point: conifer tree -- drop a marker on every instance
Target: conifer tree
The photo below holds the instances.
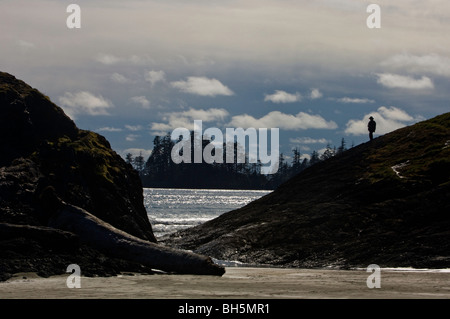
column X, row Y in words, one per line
column 342, row 148
column 129, row 158
column 139, row 163
column 314, row 158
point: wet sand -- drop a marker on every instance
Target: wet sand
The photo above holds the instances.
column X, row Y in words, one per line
column 237, row 283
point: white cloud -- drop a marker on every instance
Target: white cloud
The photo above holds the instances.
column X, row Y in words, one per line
column 395, row 114
column 25, row 44
column 308, row 140
column 109, row 129
column 355, row 100
column 315, row 94
column 303, row 148
column 202, row 86
column 131, row 137
column 107, row 59
column 283, row 97
column 84, row 102
column 431, row 63
column 110, row 59
column 238, row 31
column 405, row 82
column 276, row 119
column 136, row 152
column 155, row 76
column 119, row 78
column 142, row 100
column 205, row 115
column 388, row 119
column 186, row 119
column 140, row 59
column 305, row 156
column 162, row 129
column 133, row 127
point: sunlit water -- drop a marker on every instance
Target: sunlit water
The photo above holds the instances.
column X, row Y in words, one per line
column 170, row 210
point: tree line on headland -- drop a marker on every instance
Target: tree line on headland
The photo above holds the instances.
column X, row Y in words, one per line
column 159, row 170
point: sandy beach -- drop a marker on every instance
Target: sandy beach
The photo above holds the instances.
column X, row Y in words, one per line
column 237, row 283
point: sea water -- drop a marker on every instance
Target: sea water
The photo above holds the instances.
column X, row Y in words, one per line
column 170, row 210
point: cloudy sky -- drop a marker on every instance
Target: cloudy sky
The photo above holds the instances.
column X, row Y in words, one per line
column 313, row 69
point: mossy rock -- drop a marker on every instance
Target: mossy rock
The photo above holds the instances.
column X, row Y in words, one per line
column 384, row 201
column 37, row 135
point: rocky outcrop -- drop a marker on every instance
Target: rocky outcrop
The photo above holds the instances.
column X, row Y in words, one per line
column 40, row 149
column 114, row 242
column 385, row 202
column 40, row 146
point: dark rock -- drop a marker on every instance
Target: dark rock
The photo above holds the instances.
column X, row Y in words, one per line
column 23, row 254
column 383, row 202
column 116, row 243
column 46, row 162
column 55, row 239
column 40, row 146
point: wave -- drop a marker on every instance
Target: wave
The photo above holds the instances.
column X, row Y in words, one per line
column 410, row 269
column 181, row 221
column 171, row 210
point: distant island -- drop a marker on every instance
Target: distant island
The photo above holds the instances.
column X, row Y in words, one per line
column 159, row 171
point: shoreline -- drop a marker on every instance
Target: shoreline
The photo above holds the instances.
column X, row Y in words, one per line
column 237, row 264
column 237, row 283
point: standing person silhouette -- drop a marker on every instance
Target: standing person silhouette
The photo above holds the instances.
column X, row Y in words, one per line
column 372, row 125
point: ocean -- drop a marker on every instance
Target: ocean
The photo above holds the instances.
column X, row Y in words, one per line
column 170, row 210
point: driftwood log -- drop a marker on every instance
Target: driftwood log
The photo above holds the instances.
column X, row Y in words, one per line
column 117, row 243
column 54, row 239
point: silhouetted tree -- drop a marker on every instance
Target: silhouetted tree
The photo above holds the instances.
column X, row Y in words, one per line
column 129, row 158
column 314, row 158
column 161, row 171
column 296, row 160
column 341, row 149
column 139, row 163
column 329, row 153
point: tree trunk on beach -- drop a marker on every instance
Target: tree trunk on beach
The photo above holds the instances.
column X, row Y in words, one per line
column 117, row 243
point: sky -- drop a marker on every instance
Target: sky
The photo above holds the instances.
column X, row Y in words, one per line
column 313, row 69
